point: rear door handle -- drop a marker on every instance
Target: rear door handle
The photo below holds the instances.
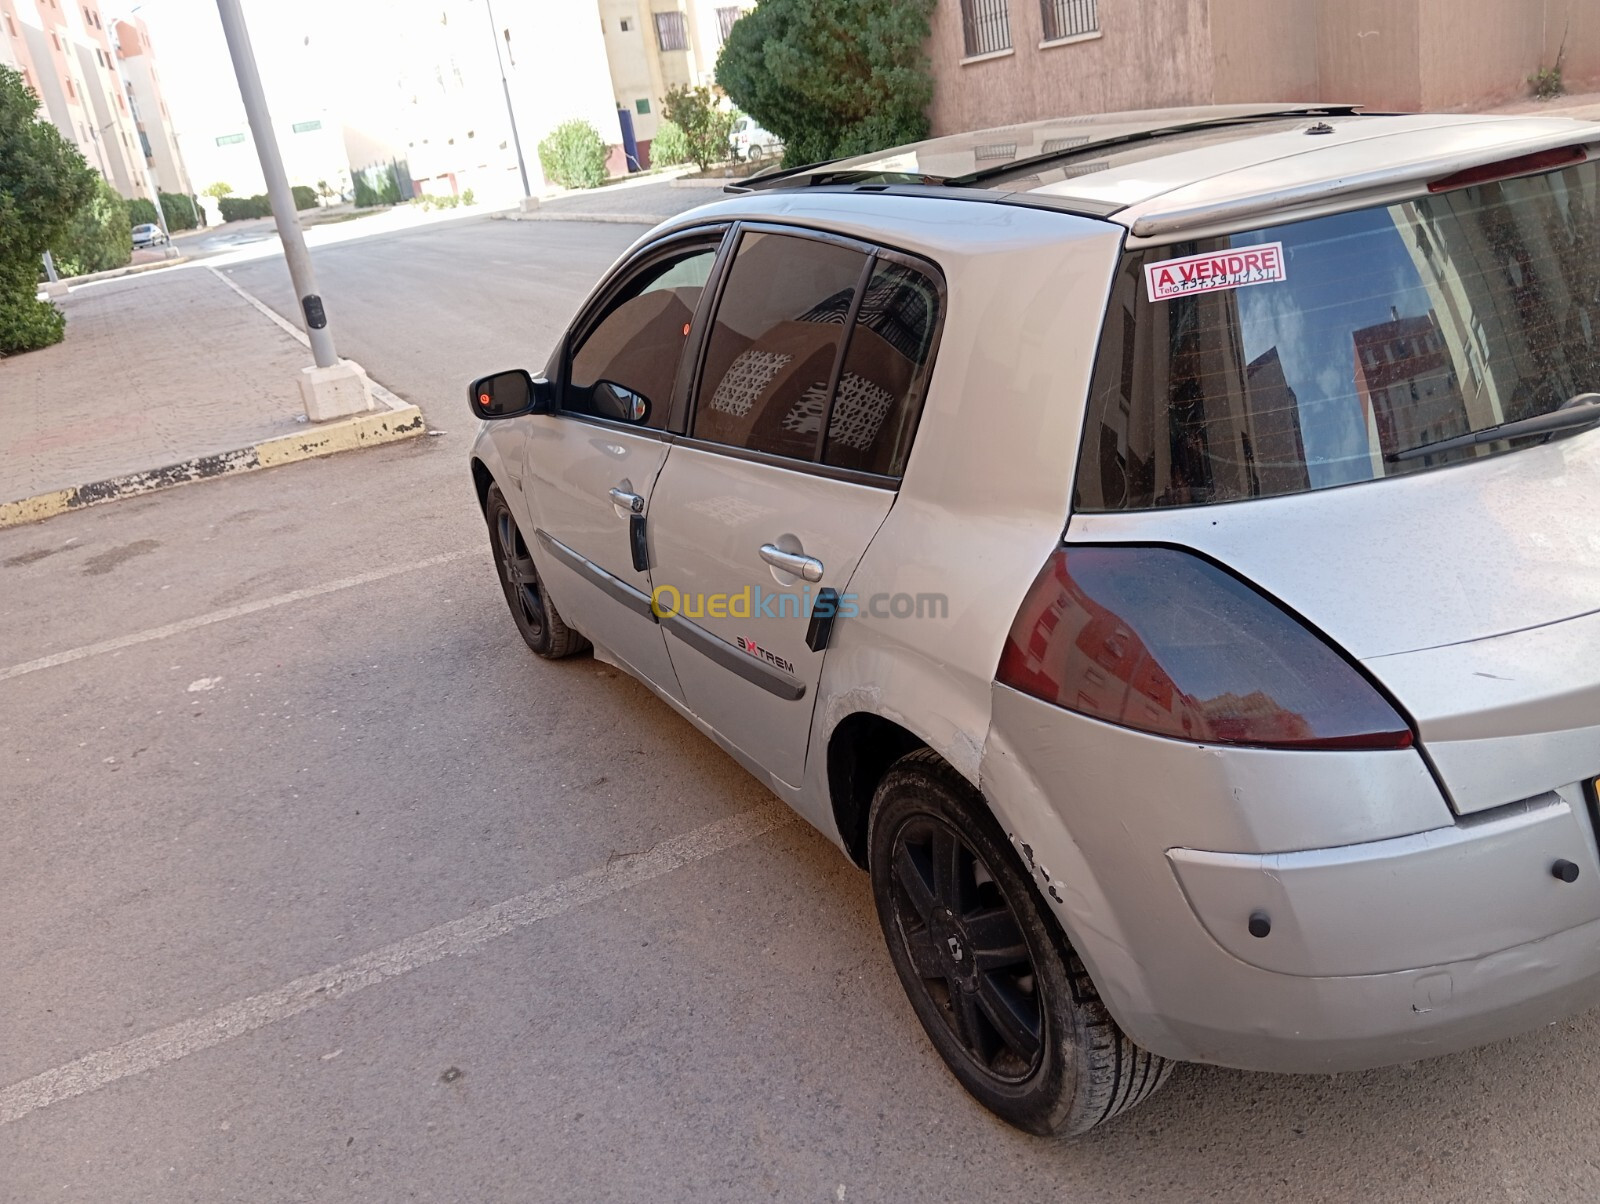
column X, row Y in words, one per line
column 627, row 500
column 807, row 568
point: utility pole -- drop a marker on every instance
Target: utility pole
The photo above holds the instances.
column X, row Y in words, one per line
column 332, row 388
column 283, row 210
column 499, row 59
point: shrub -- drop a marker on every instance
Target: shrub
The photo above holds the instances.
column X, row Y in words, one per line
column 831, row 77
column 217, row 191
column 305, row 197
column 180, row 211
column 377, row 186
column 704, row 127
column 98, row 237
column 142, row 211
column 236, row 208
column 468, row 197
column 669, row 146
column 573, row 155
column 438, row 202
column 43, row 183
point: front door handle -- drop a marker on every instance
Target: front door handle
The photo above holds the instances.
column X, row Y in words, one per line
column 807, row 568
column 627, row 499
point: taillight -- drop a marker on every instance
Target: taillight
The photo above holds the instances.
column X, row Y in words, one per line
column 1162, row 641
column 1505, row 169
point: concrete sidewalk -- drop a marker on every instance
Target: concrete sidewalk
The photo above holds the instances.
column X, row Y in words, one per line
column 162, row 379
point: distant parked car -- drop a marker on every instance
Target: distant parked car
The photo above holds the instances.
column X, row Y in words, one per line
column 750, row 142
column 149, row 235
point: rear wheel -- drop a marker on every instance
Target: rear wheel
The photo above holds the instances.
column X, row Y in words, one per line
column 536, row 616
column 755, row 154
column 1002, row 995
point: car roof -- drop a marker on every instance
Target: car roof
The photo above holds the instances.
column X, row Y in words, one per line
column 1164, row 170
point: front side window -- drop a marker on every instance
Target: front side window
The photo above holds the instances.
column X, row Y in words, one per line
column 638, row 343
column 773, row 343
column 1344, row 348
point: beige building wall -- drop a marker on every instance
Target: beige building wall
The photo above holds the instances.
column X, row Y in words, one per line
column 1386, row 54
column 1145, row 55
column 1263, row 50
column 643, row 71
column 137, row 60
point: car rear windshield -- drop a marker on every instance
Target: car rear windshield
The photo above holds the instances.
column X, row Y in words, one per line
column 1312, row 354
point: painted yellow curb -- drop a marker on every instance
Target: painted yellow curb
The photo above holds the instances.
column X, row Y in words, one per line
column 399, row 421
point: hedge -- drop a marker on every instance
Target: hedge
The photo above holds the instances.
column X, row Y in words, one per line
column 573, row 155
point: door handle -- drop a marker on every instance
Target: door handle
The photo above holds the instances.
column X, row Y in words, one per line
column 627, row 500
column 807, row 568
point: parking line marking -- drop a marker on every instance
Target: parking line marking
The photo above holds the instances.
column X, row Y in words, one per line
column 155, row 1049
column 223, row 615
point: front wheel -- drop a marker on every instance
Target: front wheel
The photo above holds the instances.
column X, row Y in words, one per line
column 536, row 616
column 1002, row 995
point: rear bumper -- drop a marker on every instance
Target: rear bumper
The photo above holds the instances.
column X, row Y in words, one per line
column 1396, row 931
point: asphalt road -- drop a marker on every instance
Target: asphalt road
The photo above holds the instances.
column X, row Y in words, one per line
column 318, row 886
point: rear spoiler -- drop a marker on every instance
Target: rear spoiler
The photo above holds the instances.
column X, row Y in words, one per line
column 1524, row 158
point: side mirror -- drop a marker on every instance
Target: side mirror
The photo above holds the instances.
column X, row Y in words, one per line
column 508, row 394
column 618, row 402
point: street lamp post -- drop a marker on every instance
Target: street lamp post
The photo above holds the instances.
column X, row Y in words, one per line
column 283, row 210
column 333, row 388
column 511, row 113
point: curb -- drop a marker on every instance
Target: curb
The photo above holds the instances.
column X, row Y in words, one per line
column 345, row 434
column 396, row 419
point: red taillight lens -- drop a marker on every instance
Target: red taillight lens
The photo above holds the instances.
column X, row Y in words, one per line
column 1162, row 641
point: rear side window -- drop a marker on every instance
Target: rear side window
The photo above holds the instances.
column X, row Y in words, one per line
column 1334, row 350
column 775, row 348
column 885, row 372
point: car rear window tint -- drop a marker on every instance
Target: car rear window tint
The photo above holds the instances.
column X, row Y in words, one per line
column 885, row 373
column 774, row 342
column 1369, row 334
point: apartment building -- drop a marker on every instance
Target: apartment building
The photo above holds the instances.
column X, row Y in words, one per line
column 655, row 45
column 67, row 53
column 142, row 86
column 1001, row 61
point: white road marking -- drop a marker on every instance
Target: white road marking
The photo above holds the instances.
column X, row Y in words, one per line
column 96, row 1070
column 223, row 615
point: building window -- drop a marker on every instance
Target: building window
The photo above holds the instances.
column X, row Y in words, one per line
column 627, row 25
column 72, row 93
column 11, row 25
column 725, row 19
column 985, row 26
column 642, row 106
column 1069, row 18
column 55, row 39
column 672, row 31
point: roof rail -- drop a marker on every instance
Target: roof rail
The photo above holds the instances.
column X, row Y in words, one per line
column 1034, row 162
column 812, row 175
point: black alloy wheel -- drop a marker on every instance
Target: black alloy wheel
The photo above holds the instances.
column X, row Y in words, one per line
column 541, row 625
column 1002, row 995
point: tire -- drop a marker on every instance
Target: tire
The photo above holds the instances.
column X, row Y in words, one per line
column 754, row 155
column 535, row 614
column 1003, row 997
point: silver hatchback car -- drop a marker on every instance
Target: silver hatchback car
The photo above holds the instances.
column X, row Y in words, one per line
column 1163, row 549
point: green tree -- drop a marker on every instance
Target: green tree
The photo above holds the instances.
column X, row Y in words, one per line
column 573, row 156
column 98, row 237
column 704, row 126
column 43, row 183
column 217, row 191
column 831, row 77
